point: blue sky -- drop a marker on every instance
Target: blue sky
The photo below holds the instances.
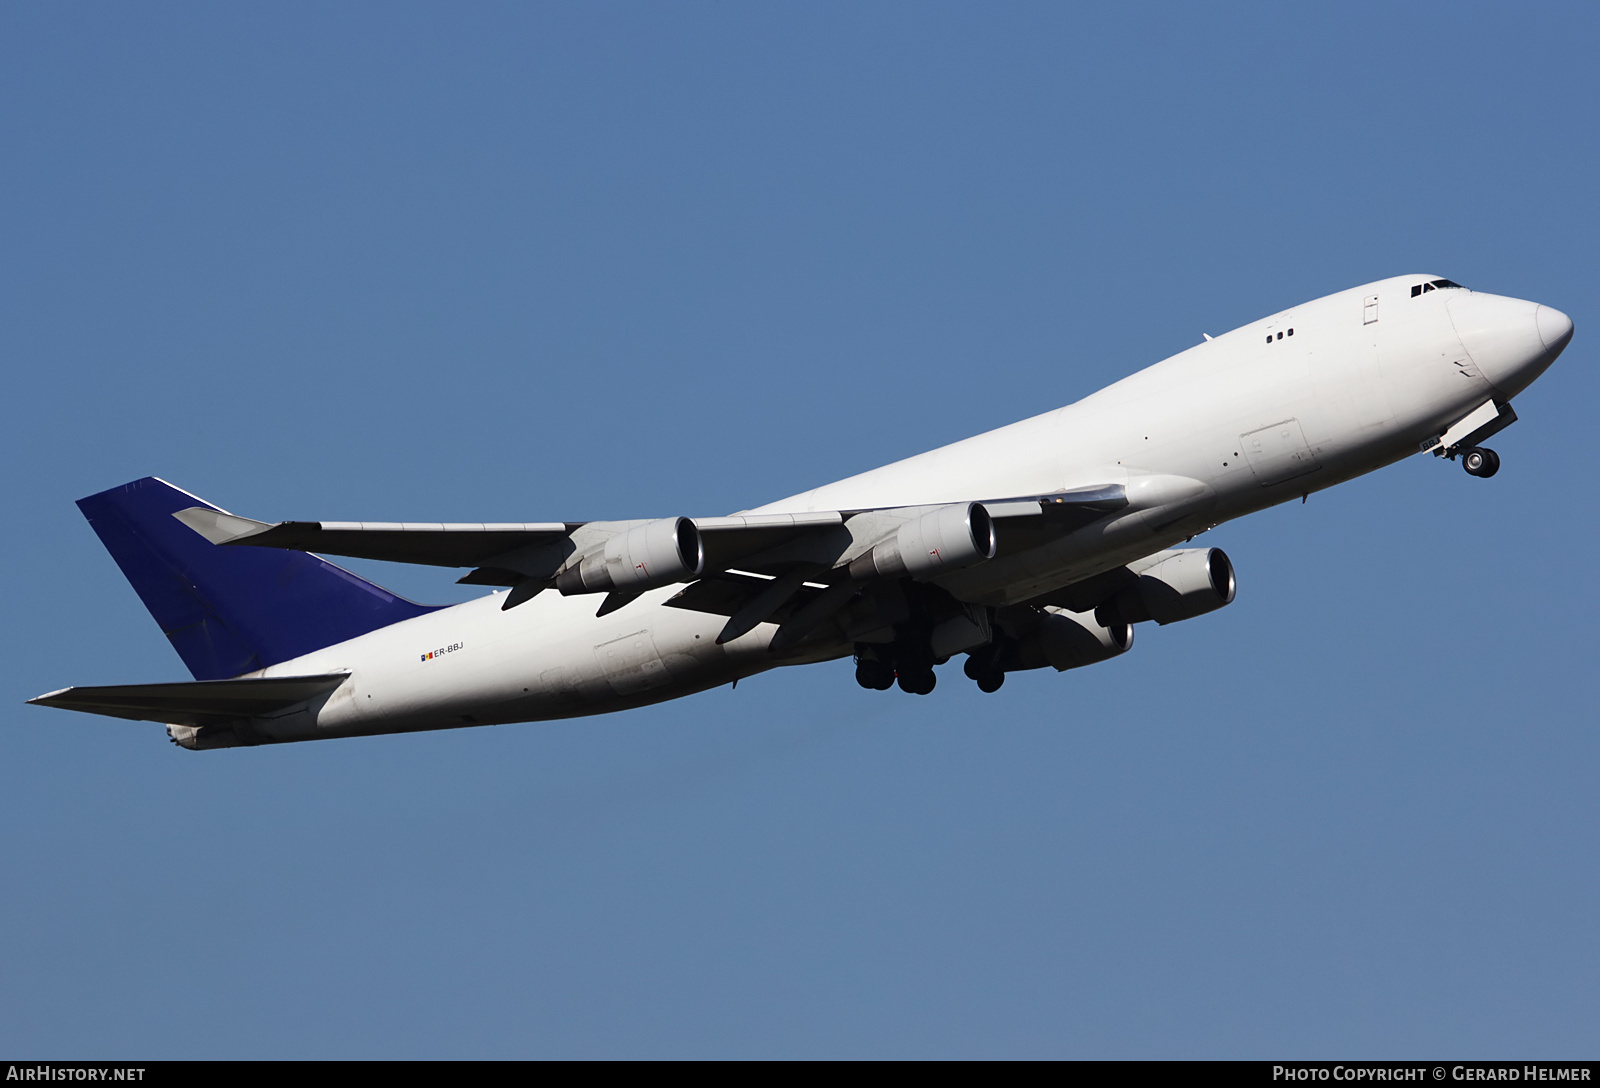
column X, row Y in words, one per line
column 522, row 262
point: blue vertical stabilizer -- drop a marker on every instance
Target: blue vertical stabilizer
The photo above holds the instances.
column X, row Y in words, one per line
column 231, row 610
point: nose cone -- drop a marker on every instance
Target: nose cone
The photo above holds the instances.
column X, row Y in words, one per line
column 1555, row 329
column 1511, row 340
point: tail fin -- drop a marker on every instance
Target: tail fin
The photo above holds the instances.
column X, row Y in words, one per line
column 229, row 611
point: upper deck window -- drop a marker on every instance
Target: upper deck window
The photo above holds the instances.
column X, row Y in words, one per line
column 1433, row 285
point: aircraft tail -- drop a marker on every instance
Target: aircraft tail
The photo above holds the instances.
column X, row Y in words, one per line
column 231, row 610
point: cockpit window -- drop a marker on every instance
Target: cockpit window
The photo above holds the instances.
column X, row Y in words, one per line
column 1433, row 285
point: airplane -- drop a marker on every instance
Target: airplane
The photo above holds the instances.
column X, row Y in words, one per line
column 1041, row 544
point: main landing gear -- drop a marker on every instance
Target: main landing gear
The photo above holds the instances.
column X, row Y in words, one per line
column 983, row 668
column 874, row 675
column 914, row 678
column 914, row 673
column 917, row 681
column 909, row 659
column 1480, row 462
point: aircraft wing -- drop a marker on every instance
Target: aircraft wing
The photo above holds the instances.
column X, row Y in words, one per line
column 195, row 702
column 470, row 544
column 624, row 558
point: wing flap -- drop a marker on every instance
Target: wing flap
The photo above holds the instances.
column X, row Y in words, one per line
column 198, row 702
column 726, row 593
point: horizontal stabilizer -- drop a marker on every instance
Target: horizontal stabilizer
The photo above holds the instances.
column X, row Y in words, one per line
column 430, row 543
column 200, row 702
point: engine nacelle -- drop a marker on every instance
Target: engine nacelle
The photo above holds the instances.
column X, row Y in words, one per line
column 945, row 539
column 1186, row 584
column 1070, row 640
column 656, row 553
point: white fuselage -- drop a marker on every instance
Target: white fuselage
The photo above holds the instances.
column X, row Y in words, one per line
column 1250, row 419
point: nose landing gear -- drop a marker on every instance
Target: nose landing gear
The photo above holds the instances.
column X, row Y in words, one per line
column 1480, row 462
column 1462, row 439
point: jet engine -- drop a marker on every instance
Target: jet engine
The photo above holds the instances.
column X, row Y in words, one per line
column 1186, row 584
column 1068, row 640
column 944, row 539
column 656, row 553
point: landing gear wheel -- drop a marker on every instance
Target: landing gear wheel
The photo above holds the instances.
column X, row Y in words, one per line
column 918, row 681
column 1480, row 462
column 981, row 670
column 989, row 683
column 874, row 675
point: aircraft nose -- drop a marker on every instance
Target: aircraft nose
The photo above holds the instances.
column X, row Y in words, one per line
column 1555, row 328
column 1505, row 338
